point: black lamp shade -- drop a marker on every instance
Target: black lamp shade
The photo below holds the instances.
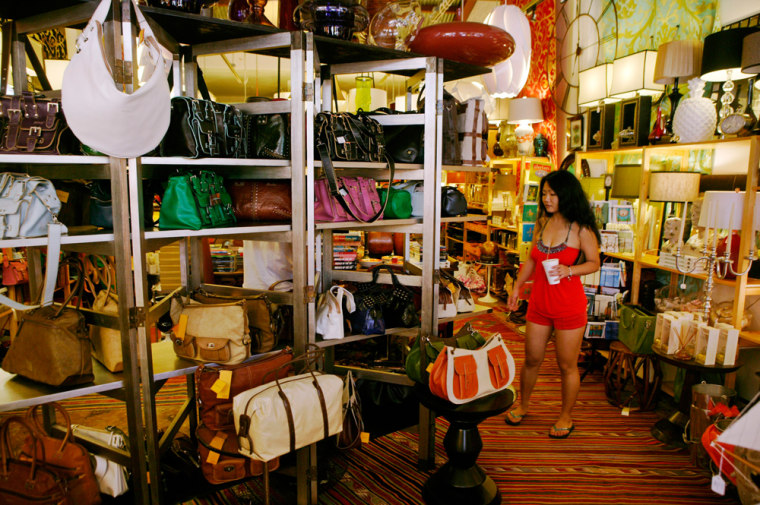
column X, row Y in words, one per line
column 723, row 51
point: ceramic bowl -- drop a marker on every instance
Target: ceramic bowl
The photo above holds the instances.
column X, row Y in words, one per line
column 369, row 263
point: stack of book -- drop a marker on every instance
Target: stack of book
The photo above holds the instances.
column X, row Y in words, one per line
column 226, row 259
column 345, row 248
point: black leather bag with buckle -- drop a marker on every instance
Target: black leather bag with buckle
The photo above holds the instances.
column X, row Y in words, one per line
column 34, row 125
column 350, row 137
column 203, row 129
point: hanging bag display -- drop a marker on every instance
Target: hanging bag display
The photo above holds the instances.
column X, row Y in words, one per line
column 462, row 375
column 195, row 201
column 102, row 115
column 330, row 318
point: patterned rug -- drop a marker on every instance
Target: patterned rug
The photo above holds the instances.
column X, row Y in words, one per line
column 608, row 459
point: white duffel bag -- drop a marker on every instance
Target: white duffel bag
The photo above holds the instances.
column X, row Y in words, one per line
column 281, row 416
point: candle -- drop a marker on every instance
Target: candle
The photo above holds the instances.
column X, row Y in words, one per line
column 730, row 228
column 683, row 224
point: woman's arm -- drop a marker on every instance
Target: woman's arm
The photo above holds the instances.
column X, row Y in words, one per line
column 526, row 272
column 589, row 245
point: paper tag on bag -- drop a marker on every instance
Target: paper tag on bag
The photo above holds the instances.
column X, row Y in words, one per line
column 179, row 333
column 222, row 385
column 626, row 411
column 364, row 437
column 718, row 485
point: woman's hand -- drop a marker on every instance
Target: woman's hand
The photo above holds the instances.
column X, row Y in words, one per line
column 512, row 301
column 562, row 271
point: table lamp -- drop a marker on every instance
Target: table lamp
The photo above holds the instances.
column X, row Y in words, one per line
column 633, row 75
column 524, row 112
column 677, row 60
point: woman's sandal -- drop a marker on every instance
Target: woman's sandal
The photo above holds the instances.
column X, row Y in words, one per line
column 555, row 429
column 514, row 419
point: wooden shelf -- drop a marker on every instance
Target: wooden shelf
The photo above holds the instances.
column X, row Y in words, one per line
column 620, row 256
column 650, row 261
column 464, row 219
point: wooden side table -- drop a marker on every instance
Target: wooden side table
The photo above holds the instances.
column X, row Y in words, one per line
column 669, row 430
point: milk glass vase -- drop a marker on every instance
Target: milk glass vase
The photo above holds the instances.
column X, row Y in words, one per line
column 695, row 118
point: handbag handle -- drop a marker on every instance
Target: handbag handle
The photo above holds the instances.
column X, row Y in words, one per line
column 338, row 193
column 631, row 319
column 76, row 263
column 5, row 446
column 31, row 417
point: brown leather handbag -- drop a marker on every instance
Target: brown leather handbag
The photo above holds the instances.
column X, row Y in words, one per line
column 27, row 480
column 220, row 460
column 34, row 125
column 52, row 345
column 261, row 200
column 70, row 460
column 215, row 408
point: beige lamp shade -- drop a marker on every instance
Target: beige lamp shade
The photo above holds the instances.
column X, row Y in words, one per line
column 724, row 210
column 594, row 85
column 525, row 110
column 500, row 111
column 680, row 59
column 673, row 186
column 634, row 74
column 751, row 54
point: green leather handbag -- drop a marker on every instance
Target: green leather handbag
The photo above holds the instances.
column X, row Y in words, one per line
column 400, row 203
column 193, row 201
column 636, row 328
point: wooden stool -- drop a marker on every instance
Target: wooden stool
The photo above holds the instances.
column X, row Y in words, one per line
column 623, row 386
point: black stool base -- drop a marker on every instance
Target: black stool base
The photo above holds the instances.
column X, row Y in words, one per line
column 669, row 430
column 440, row 489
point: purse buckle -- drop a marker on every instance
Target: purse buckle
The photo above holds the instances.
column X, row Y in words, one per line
column 14, row 115
column 35, row 131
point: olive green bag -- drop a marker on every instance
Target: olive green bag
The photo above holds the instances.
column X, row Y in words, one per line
column 636, row 329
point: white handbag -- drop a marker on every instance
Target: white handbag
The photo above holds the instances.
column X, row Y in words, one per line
column 101, row 115
column 281, row 416
column 447, row 306
column 415, row 189
column 330, row 312
column 113, row 478
column 27, row 205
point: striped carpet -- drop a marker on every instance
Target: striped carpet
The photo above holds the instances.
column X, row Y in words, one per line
column 608, row 459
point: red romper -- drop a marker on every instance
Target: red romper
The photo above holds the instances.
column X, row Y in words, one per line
column 564, row 305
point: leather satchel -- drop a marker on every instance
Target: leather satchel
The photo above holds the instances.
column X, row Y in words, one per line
column 261, row 200
column 203, row 129
column 210, row 333
column 453, row 202
column 194, row 201
column 216, row 386
column 15, row 271
column 27, row 205
column 70, row 460
column 267, row 136
column 27, row 480
column 462, row 375
column 349, row 137
column 266, row 320
column 220, row 459
column 34, row 125
column 52, row 345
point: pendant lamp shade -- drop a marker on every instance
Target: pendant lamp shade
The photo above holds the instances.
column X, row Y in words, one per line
column 722, row 55
column 594, row 85
column 508, row 77
column 634, row 74
column 751, row 54
column 680, row 59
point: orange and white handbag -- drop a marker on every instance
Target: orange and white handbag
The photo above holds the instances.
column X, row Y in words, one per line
column 463, row 375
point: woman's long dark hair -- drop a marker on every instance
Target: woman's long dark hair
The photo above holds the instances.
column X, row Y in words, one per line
column 573, row 204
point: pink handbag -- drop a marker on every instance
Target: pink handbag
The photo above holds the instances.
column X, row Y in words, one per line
column 358, row 193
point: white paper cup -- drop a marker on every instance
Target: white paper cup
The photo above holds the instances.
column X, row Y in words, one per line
column 548, row 265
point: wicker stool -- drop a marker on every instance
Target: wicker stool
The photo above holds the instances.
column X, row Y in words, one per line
column 623, row 386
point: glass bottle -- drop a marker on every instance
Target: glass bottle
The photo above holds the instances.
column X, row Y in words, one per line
column 658, row 130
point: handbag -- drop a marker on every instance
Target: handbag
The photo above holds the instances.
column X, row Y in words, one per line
column 453, row 202
column 636, row 328
column 15, row 271
column 70, row 460
column 100, row 114
column 26, row 480
column 203, row 129
column 27, row 205
column 32, row 124
column 101, row 206
column 461, row 294
column 353, row 425
column 463, row 375
column 52, row 345
column 267, row 136
column 472, row 125
column 415, row 190
column 330, row 320
column 106, row 342
column 210, row 333
column 447, row 307
column 261, row 200
column 220, row 458
column 399, row 205
column 403, row 143
column 267, row 321
column 450, row 146
column 195, row 201
column 113, row 478
column 216, row 386
column 281, row 416
column 465, row 338
column 349, row 137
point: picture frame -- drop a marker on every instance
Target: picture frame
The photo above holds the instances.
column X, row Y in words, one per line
column 600, row 125
column 575, row 133
column 527, row 232
column 634, row 121
column 530, row 192
column 622, row 214
column 594, row 330
column 530, row 212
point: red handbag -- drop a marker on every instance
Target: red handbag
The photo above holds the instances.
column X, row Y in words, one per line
column 463, row 375
column 14, row 271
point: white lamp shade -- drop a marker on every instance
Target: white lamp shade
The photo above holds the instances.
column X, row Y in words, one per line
column 673, row 186
column 400, row 102
column 378, row 98
column 525, row 110
column 680, row 59
column 594, row 85
column 634, row 74
column 500, row 111
column 508, row 77
column 724, row 210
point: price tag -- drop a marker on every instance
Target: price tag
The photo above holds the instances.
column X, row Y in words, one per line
column 429, row 368
column 217, row 443
column 626, row 411
column 222, row 385
column 179, row 334
column 365, row 437
column 718, row 485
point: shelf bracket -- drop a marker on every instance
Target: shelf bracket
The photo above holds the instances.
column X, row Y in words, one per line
column 137, row 316
column 308, row 92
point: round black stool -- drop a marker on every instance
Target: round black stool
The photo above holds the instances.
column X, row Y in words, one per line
column 623, row 386
column 461, row 480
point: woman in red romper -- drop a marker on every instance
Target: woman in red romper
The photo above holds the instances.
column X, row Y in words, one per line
column 565, row 230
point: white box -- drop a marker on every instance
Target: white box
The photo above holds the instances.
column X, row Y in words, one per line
column 728, row 342
column 689, row 333
column 707, row 345
column 668, row 320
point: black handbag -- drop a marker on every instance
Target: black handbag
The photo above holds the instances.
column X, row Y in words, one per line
column 267, row 136
column 403, row 143
column 398, row 306
column 203, row 129
column 453, row 202
column 350, row 137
